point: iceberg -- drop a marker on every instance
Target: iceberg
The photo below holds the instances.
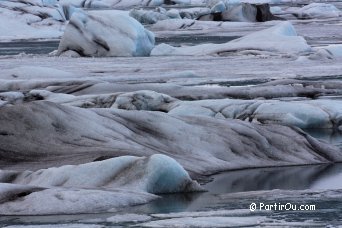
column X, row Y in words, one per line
column 280, row 38
column 30, row 20
column 241, row 12
column 317, row 10
column 105, row 33
column 97, row 132
column 154, row 174
column 68, row 200
column 92, row 187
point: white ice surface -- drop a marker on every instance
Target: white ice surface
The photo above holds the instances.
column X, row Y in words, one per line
column 106, row 33
column 333, row 49
column 318, row 10
column 280, row 38
column 92, row 133
column 155, row 174
column 71, row 201
column 20, row 20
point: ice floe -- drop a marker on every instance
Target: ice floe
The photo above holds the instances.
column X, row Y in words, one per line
column 94, row 133
column 122, row 4
column 333, row 50
column 318, row 10
column 240, row 12
column 30, row 20
column 69, row 201
column 93, row 187
column 280, row 38
column 155, row 174
column 312, row 113
column 105, row 33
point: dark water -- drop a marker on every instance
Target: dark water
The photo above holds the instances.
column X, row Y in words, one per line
column 28, row 47
column 45, row 47
column 287, row 178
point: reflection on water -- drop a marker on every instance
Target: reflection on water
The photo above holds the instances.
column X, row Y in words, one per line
column 288, row 178
column 295, row 177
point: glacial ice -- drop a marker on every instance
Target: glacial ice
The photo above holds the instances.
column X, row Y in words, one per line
column 30, row 20
column 92, row 187
column 122, row 4
column 318, row 10
column 233, row 11
column 334, row 50
column 106, row 33
column 280, row 38
column 70, row 201
column 93, row 133
column 155, row 174
column 312, row 113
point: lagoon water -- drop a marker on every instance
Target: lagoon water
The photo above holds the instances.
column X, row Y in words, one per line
column 327, row 176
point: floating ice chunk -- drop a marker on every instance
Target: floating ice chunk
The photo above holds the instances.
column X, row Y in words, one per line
column 214, row 221
column 144, row 100
column 318, row 10
column 92, row 133
column 307, row 116
column 70, row 201
column 148, row 16
column 173, row 14
column 280, row 38
column 218, row 7
column 276, row 9
column 188, row 110
column 215, row 213
column 30, row 20
column 155, row 174
column 114, row 4
column 106, row 33
column 128, row 218
column 334, row 50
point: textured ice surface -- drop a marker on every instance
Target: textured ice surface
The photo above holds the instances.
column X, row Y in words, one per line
column 106, row 33
column 280, row 38
column 155, row 174
column 318, row 10
column 92, row 187
column 30, row 20
column 122, row 4
column 199, row 144
column 68, row 200
column 311, row 114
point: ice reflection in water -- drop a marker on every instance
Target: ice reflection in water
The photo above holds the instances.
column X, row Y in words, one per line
column 287, row 178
